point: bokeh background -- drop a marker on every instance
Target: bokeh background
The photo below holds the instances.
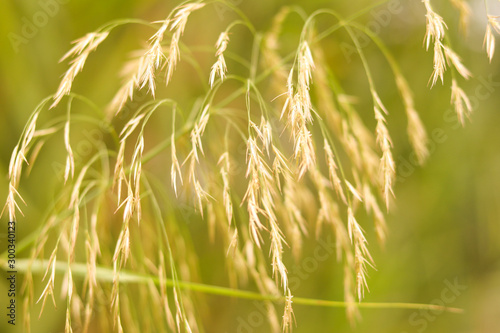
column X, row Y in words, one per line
column 445, row 228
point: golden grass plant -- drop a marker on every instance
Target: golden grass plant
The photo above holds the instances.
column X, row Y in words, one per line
column 309, row 165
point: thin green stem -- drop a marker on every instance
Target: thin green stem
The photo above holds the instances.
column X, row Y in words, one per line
column 106, row 275
column 329, row 31
column 111, row 25
column 240, row 13
column 254, row 62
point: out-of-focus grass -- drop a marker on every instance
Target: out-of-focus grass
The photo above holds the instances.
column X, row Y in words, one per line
column 446, row 223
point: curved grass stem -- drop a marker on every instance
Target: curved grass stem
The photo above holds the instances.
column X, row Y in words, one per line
column 104, row 274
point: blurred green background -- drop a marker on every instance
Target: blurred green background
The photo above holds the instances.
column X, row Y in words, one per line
column 445, row 228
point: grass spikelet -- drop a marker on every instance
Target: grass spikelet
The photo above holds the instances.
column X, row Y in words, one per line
column 387, row 165
column 489, row 38
column 352, row 311
column 175, row 169
column 361, row 255
column 132, row 72
column 70, row 159
column 353, row 191
column 255, row 164
column 453, row 59
column 151, row 61
column 439, row 63
column 119, row 171
column 304, row 151
column 280, row 166
column 224, row 171
column 219, row 68
column 198, row 131
column 373, row 207
column 196, row 144
column 435, row 28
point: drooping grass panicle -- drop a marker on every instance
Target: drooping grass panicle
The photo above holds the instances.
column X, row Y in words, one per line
column 19, row 156
column 439, row 63
column 315, row 179
column 197, row 132
column 416, row 131
column 387, row 165
column 177, row 26
column 80, row 52
column 260, row 197
column 443, row 54
column 435, row 33
column 143, row 70
column 193, row 157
